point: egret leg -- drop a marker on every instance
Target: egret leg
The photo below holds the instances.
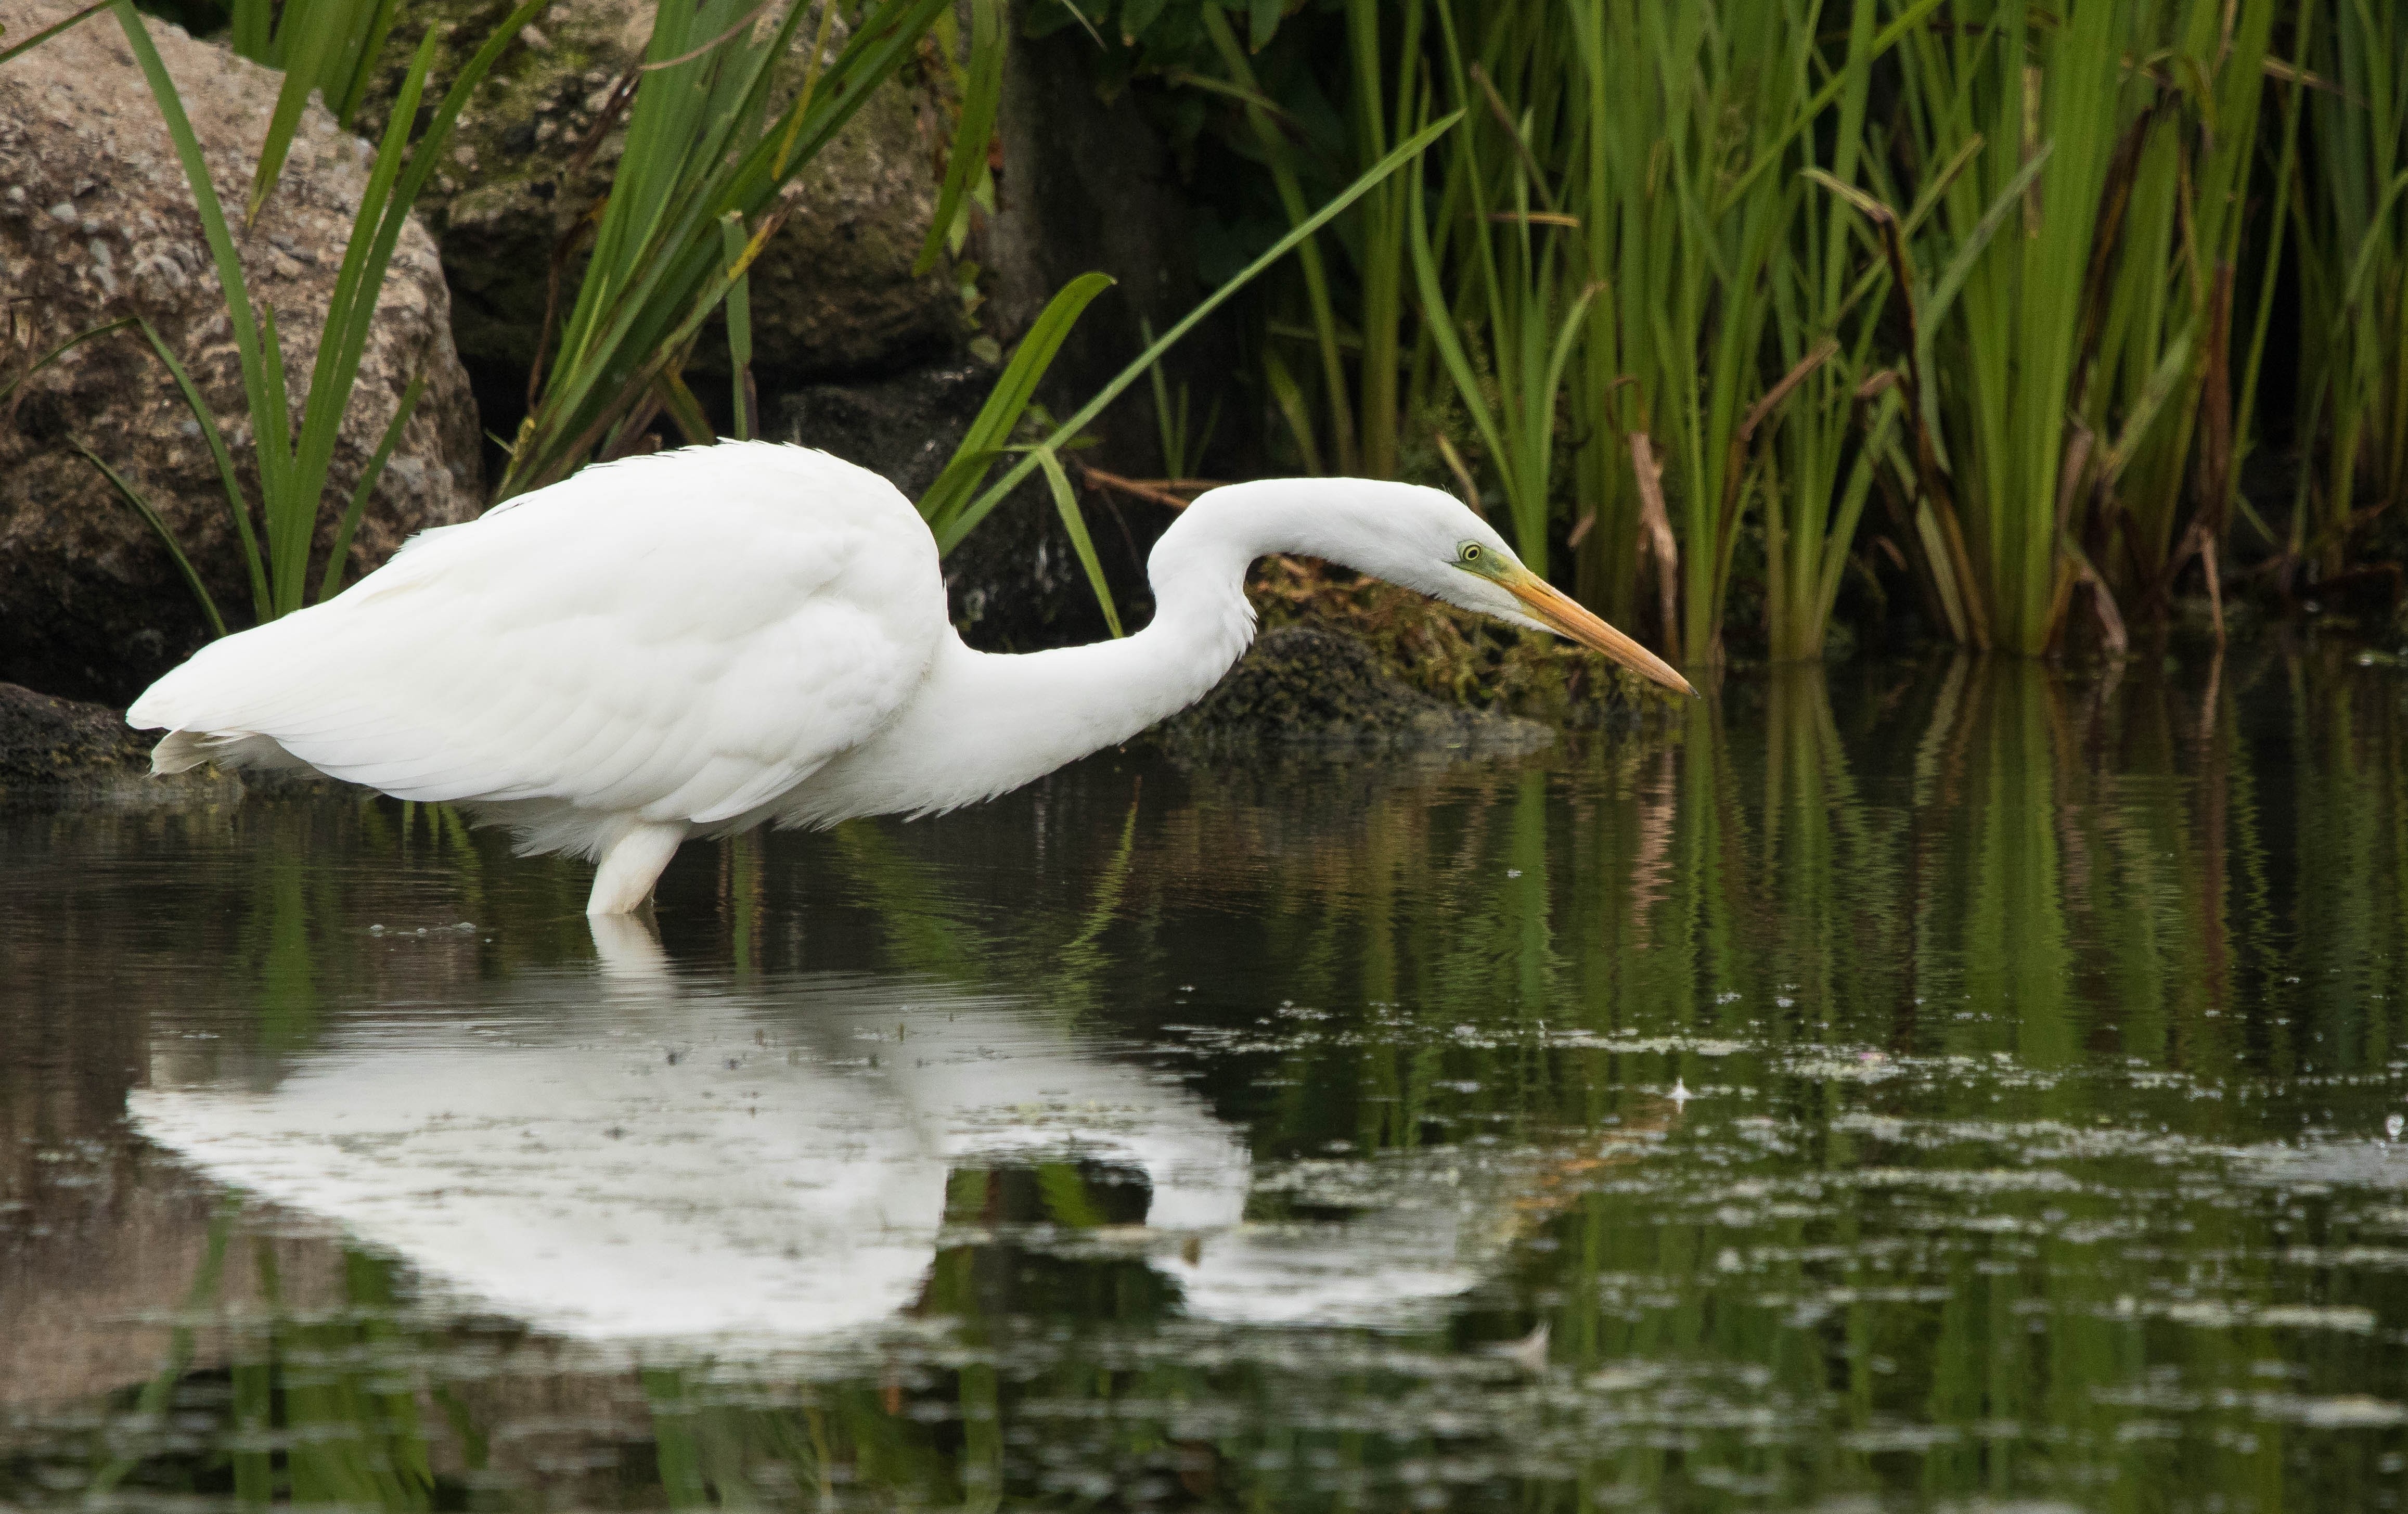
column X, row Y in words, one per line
column 632, row 865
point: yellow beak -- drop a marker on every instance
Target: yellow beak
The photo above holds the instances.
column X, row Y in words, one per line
column 1564, row 616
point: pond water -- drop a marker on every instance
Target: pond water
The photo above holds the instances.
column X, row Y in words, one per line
column 1951, row 1086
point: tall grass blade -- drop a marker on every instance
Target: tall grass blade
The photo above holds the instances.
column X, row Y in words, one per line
column 1297, row 411
column 237, row 505
column 7, row 412
column 981, row 98
column 293, row 470
column 1015, row 389
column 240, row 316
column 1066, row 504
column 1935, row 306
column 308, row 44
column 740, row 325
column 52, row 30
column 332, row 584
column 150, row 514
column 201, row 416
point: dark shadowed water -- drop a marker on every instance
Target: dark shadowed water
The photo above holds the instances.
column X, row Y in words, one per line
column 1954, row 1087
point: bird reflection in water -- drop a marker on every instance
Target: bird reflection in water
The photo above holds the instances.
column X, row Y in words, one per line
column 681, row 1163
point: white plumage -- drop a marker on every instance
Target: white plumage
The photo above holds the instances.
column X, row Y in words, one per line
column 605, row 652
column 698, row 642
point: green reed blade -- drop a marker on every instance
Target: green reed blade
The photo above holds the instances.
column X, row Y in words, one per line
column 684, row 410
column 740, row 323
column 60, row 351
column 1441, row 327
column 1897, row 28
column 358, row 63
column 1935, row 306
column 656, row 269
column 237, row 505
column 213, row 226
column 369, row 476
column 310, row 46
column 253, row 32
column 980, row 98
column 1066, row 504
column 1007, row 403
column 52, row 30
column 143, row 508
column 1172, row 432
column 1294, row 407
column 293, row 486
column 271, row 443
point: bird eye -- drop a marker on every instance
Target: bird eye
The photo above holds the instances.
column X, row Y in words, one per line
column 1471, row 552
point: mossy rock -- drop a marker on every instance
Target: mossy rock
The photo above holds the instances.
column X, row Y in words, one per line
column 1460, row 658
column 64, row 752
column 47, row 742
column 1304, row 687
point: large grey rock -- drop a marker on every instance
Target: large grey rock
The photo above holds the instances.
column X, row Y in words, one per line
column 833, row 293
column 96, row 221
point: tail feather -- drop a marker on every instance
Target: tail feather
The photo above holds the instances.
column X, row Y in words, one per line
column 210, row 706
column 180, row 751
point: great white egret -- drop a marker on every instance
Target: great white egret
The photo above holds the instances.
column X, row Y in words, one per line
column 697, row 641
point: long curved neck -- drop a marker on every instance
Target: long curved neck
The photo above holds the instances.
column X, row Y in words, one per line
column 983, row 723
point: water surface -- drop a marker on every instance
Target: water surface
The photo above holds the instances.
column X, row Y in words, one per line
column 1953, row 1085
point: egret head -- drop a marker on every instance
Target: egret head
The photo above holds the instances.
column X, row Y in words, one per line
column 1431, row 543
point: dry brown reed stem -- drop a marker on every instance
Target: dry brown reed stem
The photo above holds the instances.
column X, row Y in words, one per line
column 1154, row 491
column 728, row 36
column 2098, row 283
column 2212, row 479
column 2074, row 567
column 1927, row 477
column 1455, row 464
column 1656, row 535
column 1735, row 469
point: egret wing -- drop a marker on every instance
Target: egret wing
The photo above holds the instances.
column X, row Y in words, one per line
column 604, row 643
